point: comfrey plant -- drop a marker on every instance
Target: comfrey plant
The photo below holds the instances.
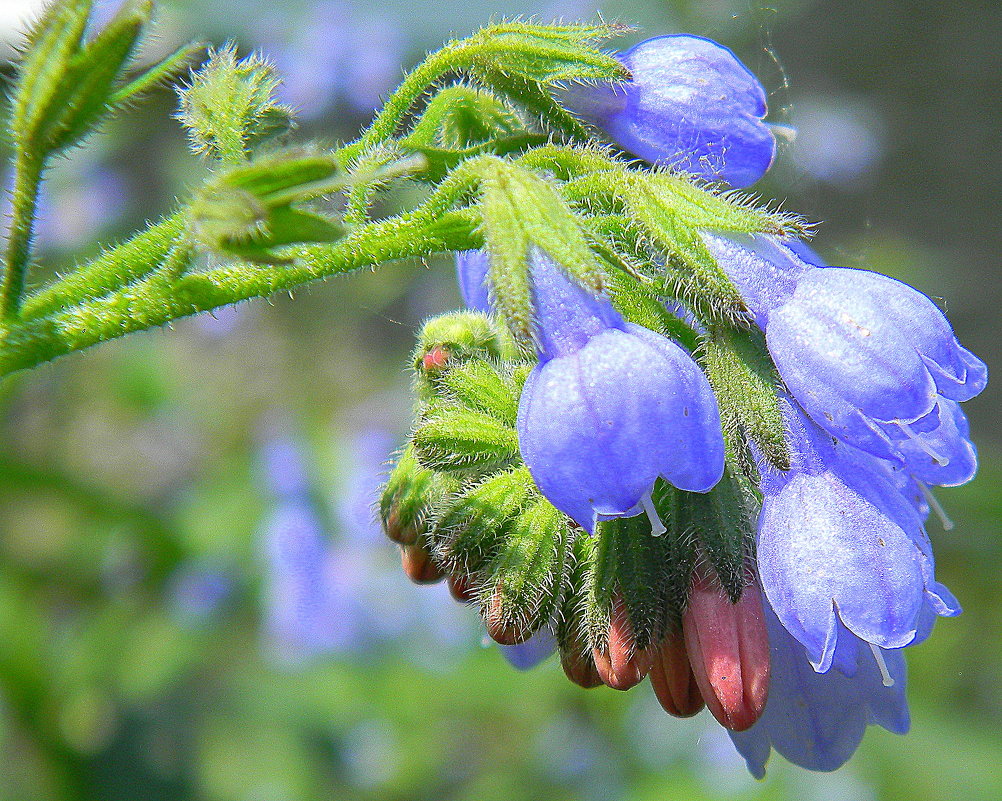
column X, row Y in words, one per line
column 665, row 439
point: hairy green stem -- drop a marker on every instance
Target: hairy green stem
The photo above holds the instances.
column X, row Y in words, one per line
column 24, row 200
column 162, row 297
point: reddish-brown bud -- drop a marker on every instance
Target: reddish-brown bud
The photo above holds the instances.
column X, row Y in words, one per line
column 728, row 650
column 621, row 664
column 396, row 530
column 580, row 668
column 503, row 628
column 418, row 565
column 461, row 587
column 672, row 678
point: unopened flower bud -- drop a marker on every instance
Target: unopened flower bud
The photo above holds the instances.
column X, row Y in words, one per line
column 621, row 665
column 419, row 566
column 728, row 650
column 579, row 667
column 462, row 587
column 673, row 680
column 504, row 627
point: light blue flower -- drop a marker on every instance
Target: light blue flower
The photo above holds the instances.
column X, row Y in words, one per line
column 817, row 720
column 610, row 407
column 528, row 654
column 840, row 549
column 472, row 267
column 691, row 105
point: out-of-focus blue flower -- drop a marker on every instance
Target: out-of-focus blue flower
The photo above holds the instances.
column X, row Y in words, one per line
column 610, row 407
column 840, row 548
column 530, row 653
column 840, row 140
column 198, row 590
column 692, row 105
column 817, row 720
column 472, row 267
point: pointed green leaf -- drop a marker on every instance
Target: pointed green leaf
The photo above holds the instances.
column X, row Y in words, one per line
column 465, row 440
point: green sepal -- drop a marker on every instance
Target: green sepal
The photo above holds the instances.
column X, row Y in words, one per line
column 692, row 273
column 410, row 498
column 721, row 522
column 527, row 578
column 729, row 212
column 247, row 210
column 746, row 384
column 638, row 304
column 521, row 211
column 460, row 116
column 474, row 524
column 485, row 387
column 230, row 105
column 593, row 584
column 465, row 440
column 156, row 75
column 549, row 54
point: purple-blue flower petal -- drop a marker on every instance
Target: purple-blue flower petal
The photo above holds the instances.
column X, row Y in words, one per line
column 765, row 269
column 472, row 267
column 566, row 315
column 526, row 655
column 692, row 105
column 596, row 427
column 817, row 720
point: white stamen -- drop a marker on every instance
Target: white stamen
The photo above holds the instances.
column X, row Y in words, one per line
column 657, row 527
column 936, row 507
column 885, row 676
column 923, row 443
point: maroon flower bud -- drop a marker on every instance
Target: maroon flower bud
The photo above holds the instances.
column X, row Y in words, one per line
column 461, row 587
column 503, row 627
column 418, row 565
column 436, row 359
column 728, row 649
column 673, row 680
column 621, row 664
column 579, row 667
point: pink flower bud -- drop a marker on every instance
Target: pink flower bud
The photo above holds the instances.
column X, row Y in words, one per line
column 621, row 665
column 728, row 649
column 672, row 678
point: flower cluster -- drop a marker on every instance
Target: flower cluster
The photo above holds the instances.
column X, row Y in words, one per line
column 747, row 531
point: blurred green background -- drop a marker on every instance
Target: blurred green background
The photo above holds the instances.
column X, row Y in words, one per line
column 143, row 653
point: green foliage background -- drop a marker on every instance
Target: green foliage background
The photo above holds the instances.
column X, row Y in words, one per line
column 124, row 465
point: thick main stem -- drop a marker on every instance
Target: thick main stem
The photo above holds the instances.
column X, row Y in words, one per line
column 24, row 201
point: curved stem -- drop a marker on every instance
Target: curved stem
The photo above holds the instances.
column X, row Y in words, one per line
column 24, row 200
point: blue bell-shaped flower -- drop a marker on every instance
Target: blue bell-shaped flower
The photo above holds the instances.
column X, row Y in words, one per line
column 691, row 105
column 841, row 550
column 610, row 407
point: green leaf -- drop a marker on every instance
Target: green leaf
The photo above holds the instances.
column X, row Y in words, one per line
column 746, row 384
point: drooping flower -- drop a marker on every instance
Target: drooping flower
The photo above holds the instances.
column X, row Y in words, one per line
column 841, row 549
column 817, row 720
column 610, row 407
column 691, row 105
column 873, row 361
